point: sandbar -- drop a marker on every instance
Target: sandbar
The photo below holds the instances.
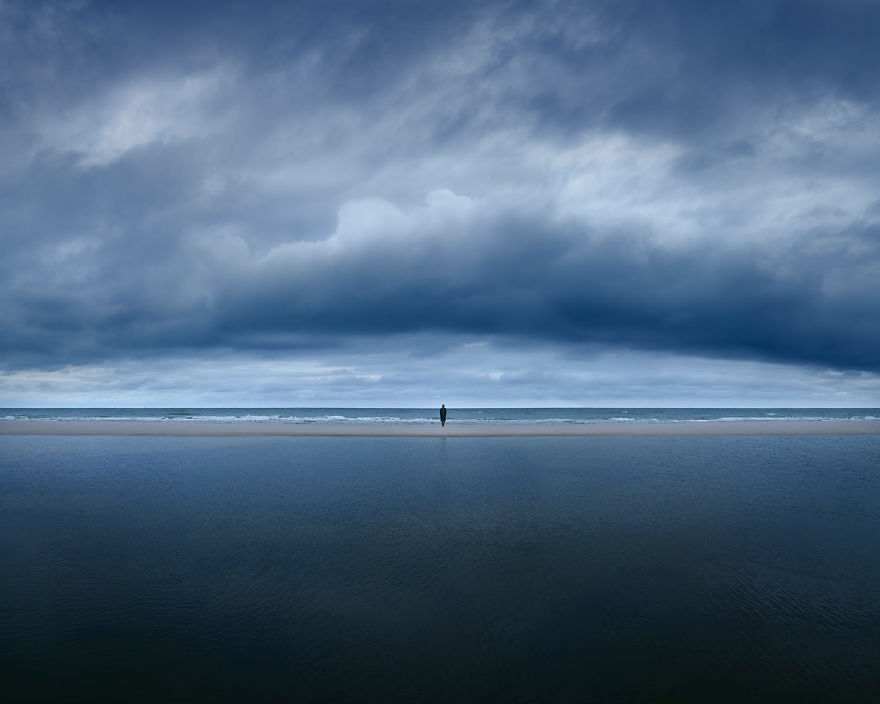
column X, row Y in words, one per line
column 195, row 428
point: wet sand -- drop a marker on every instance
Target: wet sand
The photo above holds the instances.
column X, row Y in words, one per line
column 178, row 428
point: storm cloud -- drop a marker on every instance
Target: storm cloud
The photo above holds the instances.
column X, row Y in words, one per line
column 692, row 179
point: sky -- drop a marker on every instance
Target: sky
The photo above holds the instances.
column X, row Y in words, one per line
column 397, row 203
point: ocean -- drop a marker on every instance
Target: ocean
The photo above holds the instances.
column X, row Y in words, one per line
column 310, row 569
column 423, row 416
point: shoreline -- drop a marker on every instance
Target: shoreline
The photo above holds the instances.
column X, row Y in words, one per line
column 200, row 429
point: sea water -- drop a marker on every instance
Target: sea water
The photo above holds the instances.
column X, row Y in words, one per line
column 422, row 416
column 685, row 569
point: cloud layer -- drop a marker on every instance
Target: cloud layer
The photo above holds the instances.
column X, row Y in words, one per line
column 673, row 178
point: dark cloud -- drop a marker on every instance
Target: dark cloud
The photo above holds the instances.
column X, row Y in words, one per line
column 677, row 176
column 435, row 271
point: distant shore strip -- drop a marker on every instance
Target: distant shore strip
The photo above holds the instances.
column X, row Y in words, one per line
column 192, row 429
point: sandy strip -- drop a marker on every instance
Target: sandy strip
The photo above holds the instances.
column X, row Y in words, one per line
column 777, row 427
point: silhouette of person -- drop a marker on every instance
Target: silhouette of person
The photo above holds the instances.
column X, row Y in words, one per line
column 443, row 414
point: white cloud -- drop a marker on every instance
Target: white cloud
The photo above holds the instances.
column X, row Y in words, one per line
column 135, row 114
column 535, row 134
column 387, row 373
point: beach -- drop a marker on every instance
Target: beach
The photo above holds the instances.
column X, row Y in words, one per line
column 194, row 429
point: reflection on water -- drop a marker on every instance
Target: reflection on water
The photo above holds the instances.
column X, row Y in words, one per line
column 517, row 569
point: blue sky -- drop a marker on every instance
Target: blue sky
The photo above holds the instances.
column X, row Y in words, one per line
column 401, row 203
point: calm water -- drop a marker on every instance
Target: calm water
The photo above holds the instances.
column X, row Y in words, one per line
column 422, row 416
column 427, row 569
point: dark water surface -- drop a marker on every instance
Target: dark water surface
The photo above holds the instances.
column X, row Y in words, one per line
column 678, row 569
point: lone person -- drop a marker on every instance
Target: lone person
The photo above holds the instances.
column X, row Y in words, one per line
column 442, row 414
